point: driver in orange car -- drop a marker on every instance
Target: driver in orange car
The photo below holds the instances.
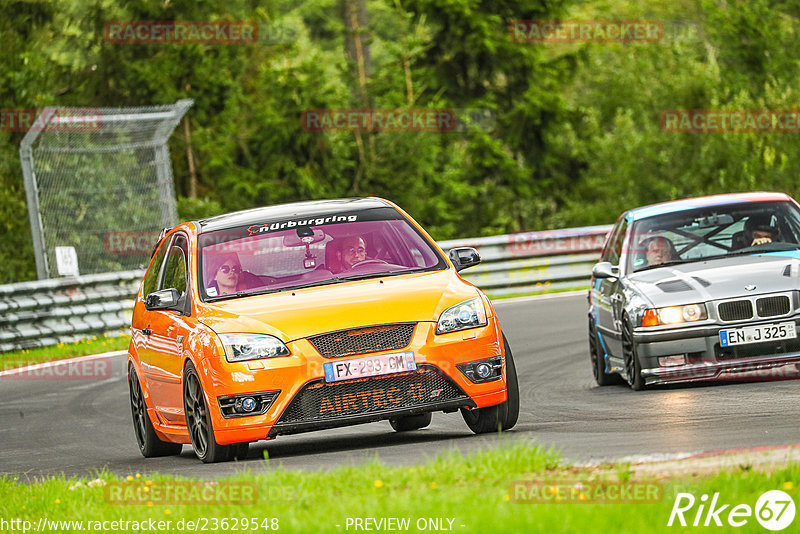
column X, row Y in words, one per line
column 353, row 251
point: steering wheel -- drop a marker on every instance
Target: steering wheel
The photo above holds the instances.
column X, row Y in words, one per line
column 370, row 262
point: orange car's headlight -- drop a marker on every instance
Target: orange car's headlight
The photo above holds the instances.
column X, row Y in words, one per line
column 243, row 347
column 467, row 314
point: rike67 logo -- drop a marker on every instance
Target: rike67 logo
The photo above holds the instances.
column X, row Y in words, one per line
column 774, row 510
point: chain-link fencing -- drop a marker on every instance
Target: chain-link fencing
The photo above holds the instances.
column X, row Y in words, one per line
column 97, row 180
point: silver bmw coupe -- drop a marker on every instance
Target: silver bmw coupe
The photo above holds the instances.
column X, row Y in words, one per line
column 698, row 289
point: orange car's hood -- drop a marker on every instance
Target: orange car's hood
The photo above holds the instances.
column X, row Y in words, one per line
column 292, row 315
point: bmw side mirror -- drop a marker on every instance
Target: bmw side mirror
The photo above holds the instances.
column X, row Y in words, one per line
column 463, row 257
column 605, row 270
column 166, row 299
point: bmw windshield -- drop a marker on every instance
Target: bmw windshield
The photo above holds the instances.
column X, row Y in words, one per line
column 306, row 251
column 713, row 232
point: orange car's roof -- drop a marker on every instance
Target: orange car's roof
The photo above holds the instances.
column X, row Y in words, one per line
column 315, row 208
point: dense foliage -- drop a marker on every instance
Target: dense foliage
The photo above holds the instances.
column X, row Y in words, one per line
column 577, row 136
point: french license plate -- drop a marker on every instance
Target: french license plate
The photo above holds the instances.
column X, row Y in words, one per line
column 757, row 334
column 383, row 364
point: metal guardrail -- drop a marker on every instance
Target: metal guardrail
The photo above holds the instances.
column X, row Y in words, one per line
column 534, row 261
column 64, row 310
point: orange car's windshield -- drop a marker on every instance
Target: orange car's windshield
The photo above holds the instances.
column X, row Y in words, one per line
column 300, row 252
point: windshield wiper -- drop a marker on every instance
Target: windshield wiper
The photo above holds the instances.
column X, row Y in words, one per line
column 228, row 296
column 752, row 250
column 371, row 275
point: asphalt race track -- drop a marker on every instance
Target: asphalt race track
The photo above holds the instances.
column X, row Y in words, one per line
column 80, row 427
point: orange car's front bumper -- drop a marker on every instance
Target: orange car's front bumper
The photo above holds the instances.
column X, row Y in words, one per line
column 437, row 385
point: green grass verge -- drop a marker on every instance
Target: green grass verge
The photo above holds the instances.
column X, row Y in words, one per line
column 93, row 345
column 473, row 491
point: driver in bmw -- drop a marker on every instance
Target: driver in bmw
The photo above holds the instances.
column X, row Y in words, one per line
column 353, row 251
column 758, row 230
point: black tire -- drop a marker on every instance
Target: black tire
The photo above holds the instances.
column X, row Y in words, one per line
column 598, row 363
column 511, row 406
column 198, row 420
column 633, row 368
column 149, row 443
column 501, row 416
column 411, row 422
column 483, row 420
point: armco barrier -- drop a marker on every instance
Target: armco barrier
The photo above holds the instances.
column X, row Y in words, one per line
column 53, row 311
column 58, row 310
column 534, row 261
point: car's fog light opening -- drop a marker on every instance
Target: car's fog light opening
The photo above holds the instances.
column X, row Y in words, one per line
column 672, row 361
column 247, row 404
column 484, row 370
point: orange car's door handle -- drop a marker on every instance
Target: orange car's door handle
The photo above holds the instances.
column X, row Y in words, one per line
column 146, row 331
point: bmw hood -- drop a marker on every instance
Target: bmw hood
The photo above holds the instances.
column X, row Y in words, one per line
column 719, row 279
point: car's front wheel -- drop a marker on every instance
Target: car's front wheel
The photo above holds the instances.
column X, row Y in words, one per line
column 633, row 368
column 149, row 443
column 411, row 422
column 598, row 361
column 502, row 416
column 198, row 423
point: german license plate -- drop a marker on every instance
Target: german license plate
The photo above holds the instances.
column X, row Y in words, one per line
column 757, row 334
column 383, row 364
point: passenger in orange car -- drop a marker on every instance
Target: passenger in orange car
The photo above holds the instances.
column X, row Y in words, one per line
column 353, row 251
column 227, row 274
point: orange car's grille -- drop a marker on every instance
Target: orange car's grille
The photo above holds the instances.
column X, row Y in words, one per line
column 319, row 401
column 363, row 340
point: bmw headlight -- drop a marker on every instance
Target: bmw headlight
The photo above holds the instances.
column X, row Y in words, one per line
column 243, row 347
column 689, row 313
column 467, row 314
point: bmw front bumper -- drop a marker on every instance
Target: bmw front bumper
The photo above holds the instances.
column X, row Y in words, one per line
column 705, row 358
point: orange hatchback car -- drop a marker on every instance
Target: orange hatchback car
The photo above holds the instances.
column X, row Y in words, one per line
column 310, row 316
